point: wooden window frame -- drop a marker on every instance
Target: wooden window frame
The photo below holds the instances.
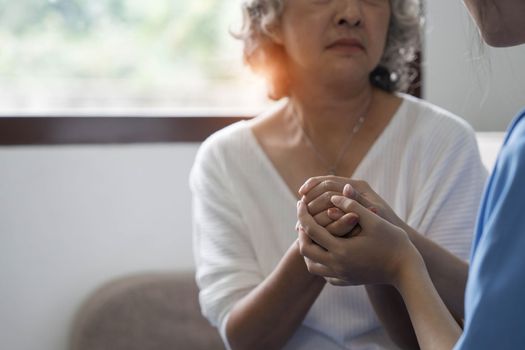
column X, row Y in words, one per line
column 69, row 130
column 64, row 130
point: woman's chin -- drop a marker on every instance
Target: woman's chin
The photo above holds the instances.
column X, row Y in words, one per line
column 348, row 76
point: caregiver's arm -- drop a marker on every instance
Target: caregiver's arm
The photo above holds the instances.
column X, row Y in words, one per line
column 434, row 326
column 448, row 272
column 380, row 254
column 448, row 275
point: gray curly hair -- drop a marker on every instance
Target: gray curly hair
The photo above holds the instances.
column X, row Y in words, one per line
column 394, row 72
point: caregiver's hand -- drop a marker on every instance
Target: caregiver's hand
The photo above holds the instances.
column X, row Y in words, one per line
column 377, row 255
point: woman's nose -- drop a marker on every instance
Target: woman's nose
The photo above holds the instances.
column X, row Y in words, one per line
column 349, row 13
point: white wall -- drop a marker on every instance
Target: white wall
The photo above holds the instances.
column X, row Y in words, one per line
column 71, row 218
column 487, row 88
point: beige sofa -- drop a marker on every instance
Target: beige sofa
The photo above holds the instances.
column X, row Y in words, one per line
column 151, row 311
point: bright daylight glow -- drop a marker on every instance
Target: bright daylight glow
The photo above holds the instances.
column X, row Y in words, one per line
column 123, row 56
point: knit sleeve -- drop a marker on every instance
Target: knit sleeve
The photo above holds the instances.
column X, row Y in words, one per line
column 226, row 268
column 451, row 180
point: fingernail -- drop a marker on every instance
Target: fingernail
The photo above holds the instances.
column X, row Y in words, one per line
column 347, row 190
column 373, row 210
column 352, row 220
column 334, row 213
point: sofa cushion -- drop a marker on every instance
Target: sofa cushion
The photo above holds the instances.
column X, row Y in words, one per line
column 154, row 311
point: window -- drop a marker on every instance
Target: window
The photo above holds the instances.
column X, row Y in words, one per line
column 123, row 56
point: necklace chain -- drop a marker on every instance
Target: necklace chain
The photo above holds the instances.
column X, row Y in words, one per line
column 332, row 168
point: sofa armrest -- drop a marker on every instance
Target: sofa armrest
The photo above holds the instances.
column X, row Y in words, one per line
column 153, row 311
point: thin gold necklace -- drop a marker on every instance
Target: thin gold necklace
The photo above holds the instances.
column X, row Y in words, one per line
column 332, row 168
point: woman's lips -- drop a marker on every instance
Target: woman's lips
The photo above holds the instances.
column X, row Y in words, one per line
column 347, row 45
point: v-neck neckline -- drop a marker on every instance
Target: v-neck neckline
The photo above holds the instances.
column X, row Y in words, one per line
column 374, row 148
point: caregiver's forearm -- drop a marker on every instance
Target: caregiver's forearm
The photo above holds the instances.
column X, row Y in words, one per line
column 448, row 272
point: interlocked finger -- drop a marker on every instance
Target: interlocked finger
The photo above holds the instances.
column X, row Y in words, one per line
column 317, row 186
column 346, row 226
column 315, row 231
column 321, row 203
column 328, row 216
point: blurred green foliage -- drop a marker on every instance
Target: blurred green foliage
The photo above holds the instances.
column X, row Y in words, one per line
column 139, row 40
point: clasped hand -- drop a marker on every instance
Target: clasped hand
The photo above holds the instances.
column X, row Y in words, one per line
column 348, row 234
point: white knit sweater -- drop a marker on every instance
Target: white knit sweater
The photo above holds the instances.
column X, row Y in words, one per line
column 425, row 164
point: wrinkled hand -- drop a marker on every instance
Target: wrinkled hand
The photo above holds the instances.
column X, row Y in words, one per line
column 376, row 256
column 317, row 192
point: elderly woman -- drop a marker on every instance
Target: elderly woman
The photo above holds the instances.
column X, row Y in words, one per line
column 339, row 65
column 384, row 249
